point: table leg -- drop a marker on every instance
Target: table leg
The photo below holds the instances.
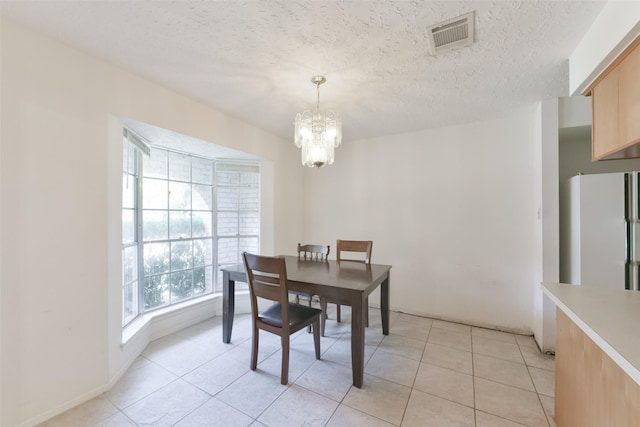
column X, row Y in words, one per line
column 357, row 340
column 384, row 305
column 228, row 306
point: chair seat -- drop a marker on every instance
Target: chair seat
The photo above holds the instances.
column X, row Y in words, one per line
column 298, row 315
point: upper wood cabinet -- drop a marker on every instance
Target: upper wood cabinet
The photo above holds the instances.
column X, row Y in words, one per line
column 629, row 97
column 604, row 102
column 616, row 108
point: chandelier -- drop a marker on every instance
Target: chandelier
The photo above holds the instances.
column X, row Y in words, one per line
column 318, row 133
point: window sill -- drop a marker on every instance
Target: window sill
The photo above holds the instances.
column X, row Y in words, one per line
column 137, row 326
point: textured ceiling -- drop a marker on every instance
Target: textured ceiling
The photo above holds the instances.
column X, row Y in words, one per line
column 254, row 59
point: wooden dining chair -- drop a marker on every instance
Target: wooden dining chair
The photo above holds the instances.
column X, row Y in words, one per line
column 313, row 253
column 345, row 251
column 268, row 280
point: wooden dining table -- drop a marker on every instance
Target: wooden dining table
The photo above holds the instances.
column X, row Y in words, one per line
column 346, row 282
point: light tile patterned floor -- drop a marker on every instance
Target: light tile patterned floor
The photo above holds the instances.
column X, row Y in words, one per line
column 425, row 373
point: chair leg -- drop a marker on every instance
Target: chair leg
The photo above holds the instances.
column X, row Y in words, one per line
column 323, row 316
column 254, row 348
column 338, row 313
column 323, row 306
column 284, row 374
column 316, row 336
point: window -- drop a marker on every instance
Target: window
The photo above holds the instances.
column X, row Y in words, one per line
column 130, row 278
column 238, row 213
column 177, row 224
column 174, row 239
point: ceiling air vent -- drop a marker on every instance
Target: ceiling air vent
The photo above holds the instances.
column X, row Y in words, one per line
column 456, row 32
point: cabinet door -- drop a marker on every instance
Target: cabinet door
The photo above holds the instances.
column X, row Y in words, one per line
column 629, row 98
column 605, row 138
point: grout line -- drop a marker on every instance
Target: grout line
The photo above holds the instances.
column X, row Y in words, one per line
column 502, row 418
column 333, row 340
column 473, row 382
column 546, row 416
column 129, row 418
column 449, row 369
column 151, row 392
column 416, row 375
column 196, row 408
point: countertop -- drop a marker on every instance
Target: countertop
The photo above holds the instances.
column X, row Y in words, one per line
column 610, row 317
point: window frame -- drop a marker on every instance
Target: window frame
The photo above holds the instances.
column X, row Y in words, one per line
column 172, row 241
column 236, row 166
column 139, row 146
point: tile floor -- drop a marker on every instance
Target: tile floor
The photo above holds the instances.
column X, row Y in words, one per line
column 425, row 373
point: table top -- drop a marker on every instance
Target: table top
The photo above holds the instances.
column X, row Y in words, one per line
column 344, row 274
column 610, row 317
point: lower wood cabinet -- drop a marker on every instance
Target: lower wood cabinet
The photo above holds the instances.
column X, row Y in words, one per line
column 590, row 388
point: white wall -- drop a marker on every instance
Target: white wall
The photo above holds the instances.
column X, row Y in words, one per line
column 59, row 167
column 574, row 111
column 547, row 222
column 614, row 29
column 451, row 209
column 575, row 158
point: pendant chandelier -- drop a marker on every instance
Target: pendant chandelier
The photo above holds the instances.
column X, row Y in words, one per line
column 318, row 133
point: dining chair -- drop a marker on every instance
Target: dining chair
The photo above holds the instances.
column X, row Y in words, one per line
column 268, row 280
column 351, row 247
column 313, row 253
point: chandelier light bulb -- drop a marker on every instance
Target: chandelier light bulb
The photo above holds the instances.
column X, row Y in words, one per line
column 317, row 132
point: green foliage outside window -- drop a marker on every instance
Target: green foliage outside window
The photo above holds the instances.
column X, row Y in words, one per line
column 175, row 270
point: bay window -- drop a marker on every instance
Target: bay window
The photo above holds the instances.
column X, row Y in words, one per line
column 184, row 216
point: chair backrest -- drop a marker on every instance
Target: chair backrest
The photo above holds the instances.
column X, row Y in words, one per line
column 317, row 252
column 267, row 278
column 363, row 246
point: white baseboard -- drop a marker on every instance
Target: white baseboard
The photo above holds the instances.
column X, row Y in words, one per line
column 85, row 397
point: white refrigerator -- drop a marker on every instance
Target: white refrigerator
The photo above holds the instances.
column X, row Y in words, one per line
column 601, row 234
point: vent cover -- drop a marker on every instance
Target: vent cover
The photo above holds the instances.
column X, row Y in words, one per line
column 456, row 32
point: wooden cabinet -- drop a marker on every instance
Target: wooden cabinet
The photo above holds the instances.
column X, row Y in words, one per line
column 604, row 101
column 629, row 97
column 591, row 389
column 616, row 108
column 597, row 378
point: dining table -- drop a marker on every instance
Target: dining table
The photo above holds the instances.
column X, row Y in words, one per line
column 345, row 282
